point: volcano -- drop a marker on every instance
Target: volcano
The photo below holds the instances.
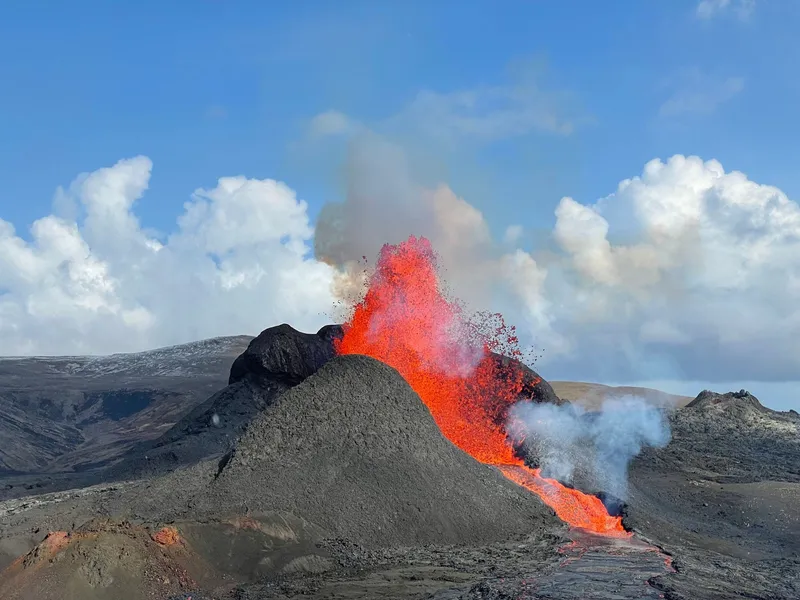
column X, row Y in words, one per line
column 277, row 359
column 328, row 475
column 406, row 321
column 348, row 453
column 379, row 459
column 354, row 450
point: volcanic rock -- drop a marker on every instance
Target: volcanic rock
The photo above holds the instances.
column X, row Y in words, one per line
column 722, row 496
column 760, row 443
column 103, row 559
column 73, row 413
column 534, row 388
column 275, row 361
column 279, row 358
column 355, row 451
column 284, row 355
column 740, row 399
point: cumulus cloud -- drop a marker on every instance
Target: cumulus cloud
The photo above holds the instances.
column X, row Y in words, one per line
column 706, row 289
column 709, row 9
column 237, row 261
column 685, row 272
column 513, row 234
column 697, row 93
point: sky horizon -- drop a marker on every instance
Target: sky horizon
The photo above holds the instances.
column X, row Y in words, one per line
column 620, row 181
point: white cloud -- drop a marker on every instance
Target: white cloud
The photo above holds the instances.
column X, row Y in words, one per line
column 698, row 93
column 513, row 234
column 709, row 9
column 707, row 289
column 237, row 262
column 705, row 286
column 488, row 114
column 330, row 122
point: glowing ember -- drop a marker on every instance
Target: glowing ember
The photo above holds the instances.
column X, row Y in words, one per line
column 166, row 536
column 406, row 322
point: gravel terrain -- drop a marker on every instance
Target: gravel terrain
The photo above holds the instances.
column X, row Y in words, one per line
column 326, row 477
column 76, row 413
column 724, row 499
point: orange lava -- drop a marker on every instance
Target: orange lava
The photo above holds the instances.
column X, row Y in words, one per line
column 55, row 541
column 166, row 536
column 406, row 321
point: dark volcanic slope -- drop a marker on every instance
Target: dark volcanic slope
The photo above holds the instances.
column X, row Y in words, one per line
column 723, row 497
column 279, row 358
column 354, row 450
column 99, row 561
column 63, row 413
column 349, row 456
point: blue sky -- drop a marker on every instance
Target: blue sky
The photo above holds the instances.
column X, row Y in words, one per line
column 212, row 88
column 513, row 104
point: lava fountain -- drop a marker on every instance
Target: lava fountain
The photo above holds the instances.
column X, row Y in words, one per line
column 406, row 321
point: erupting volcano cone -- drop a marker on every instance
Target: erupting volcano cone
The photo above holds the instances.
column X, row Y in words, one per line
column 406, row 321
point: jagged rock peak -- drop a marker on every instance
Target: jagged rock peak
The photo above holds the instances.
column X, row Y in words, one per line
column 283, row 354
column 708, row 398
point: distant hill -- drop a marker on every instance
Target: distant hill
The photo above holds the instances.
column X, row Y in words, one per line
column 591, row 395
column 73, row 412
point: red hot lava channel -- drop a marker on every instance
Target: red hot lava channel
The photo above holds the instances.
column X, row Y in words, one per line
column 406, row 321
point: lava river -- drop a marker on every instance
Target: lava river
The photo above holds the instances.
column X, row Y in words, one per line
column 406, row 321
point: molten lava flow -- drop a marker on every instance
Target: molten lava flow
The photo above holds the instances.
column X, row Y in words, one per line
column 405, row 321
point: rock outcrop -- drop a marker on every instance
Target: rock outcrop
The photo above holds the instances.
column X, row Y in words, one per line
column 279, row 358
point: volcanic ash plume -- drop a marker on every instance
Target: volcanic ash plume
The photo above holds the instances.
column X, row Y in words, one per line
column 569, row 442
column 384, row 204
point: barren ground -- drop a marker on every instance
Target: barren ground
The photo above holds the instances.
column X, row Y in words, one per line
column 714, row 515
column 591, row 395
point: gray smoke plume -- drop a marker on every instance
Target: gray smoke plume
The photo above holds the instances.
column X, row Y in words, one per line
column 386, row 200
column 594, row 447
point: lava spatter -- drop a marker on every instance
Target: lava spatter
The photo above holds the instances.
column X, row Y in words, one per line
column 406, row 321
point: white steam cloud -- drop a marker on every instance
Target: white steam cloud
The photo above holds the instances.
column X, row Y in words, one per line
column 596, row 447
column 384, row 204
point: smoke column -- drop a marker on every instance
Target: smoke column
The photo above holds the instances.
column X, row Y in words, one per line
column 384, row 202
column 570, row 443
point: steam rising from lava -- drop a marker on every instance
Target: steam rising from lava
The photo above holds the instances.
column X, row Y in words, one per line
column 570, row 442
column 406, row 321
column 386, row 200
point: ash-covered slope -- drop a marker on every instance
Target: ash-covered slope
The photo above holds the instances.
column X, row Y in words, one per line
column 354, row 450
column 723, row 497
column 733, row 438
column 65, row 413
column 102, row 560
column 275, row 361
column 279, row 358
